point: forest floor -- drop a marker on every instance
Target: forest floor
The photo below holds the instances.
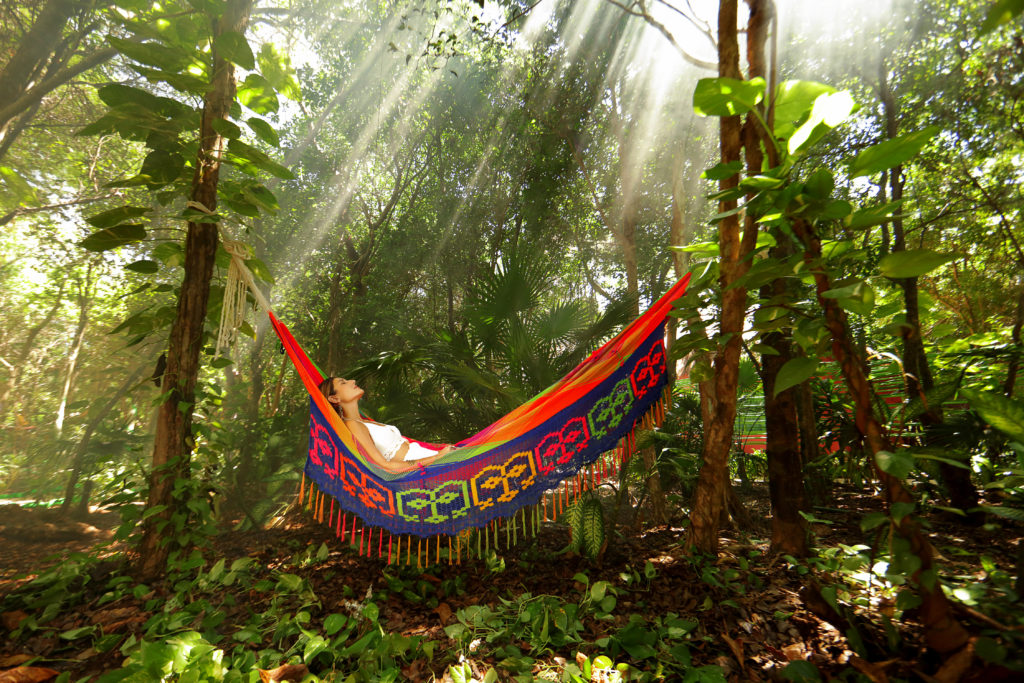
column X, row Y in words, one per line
column 745, row 616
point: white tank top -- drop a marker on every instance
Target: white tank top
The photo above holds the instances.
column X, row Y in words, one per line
column 388, row 440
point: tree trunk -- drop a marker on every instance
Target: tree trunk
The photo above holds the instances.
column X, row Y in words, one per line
column 916, row 371
column 1010, row 384
column 26, row 350
column 78, row 461
column 173, row 441
column 35, row 69
column 942, row 631
column 84, row 303
column 710, row 494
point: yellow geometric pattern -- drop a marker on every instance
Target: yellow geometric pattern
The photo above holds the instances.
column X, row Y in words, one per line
column 506, row 480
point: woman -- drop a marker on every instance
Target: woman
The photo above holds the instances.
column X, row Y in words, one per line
column 383, row 443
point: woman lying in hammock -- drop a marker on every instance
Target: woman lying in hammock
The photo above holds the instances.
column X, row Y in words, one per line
column 383, row 443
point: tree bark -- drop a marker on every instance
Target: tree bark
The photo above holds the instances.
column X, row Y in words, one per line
column 710, row 494
column 173, row 442
column 782, row 434
column 942, row 631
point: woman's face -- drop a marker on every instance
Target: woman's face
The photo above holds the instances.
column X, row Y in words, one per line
column 345, row 391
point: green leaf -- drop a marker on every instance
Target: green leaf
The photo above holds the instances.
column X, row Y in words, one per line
column 233, row 46
column 795, row 371
column 334, row 623
column 1005, row 414
column 990, row 650
column 710, row 248
column 912, row 262
column 109, row 219
column 161, row 167
column 144, row 266
column 830, row 110
column 153, row 54
column 872, row 215
column 171, row 253
column 891, row 153
column 257, row 94
column 727, row 96
column 722, row 171
column 1016, row 514
column 794, row 100
column 228, row 129
column 898, row 464
column 277, row 69
column 264, row 131
column 801, row 671
column 259, row 159
column 873, row 520
column 820, row 184
column 114, row 237
column 76, row 633
column 1003, row 12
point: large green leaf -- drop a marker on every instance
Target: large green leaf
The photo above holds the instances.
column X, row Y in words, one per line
column 233, row 46
column 257, row 94
column 871, row 216
column 892, row 152
column 153, row 54
column 259, row 159
column 912, row 262
column 264, row 131
column 277, row 69
column 727, row 96
column 1003, row 12
column 794, row 101
column 114, row 237
column 829, row 110
column 110, row 218
column 898, row 464
column 1005, row 414
column 795, row 371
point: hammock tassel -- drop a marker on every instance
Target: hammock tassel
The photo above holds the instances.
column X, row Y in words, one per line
column 302, row 488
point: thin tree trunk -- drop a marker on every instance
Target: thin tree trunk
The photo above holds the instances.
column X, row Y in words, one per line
column 1010, row 385
column 84, row 303
column 26, row 349
column 78, row 460
column 942, row 631
column 173, row 442
column 711, row 491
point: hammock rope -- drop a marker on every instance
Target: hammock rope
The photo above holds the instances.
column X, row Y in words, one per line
column 528, row 467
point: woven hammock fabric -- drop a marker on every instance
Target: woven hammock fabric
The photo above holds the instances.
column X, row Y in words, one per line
column 510, row 464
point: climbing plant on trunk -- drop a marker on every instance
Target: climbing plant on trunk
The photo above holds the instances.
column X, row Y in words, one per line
column 196, row 55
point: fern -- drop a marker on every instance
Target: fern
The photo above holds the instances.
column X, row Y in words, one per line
column 1016, row 514
column 1005, row 414
column 592, row 525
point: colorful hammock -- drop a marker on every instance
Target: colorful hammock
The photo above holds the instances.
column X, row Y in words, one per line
column 528, row 466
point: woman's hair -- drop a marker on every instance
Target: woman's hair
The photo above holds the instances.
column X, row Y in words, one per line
column 327, row 389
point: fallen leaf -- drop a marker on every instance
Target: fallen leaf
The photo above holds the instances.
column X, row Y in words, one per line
column 14, row 660
column 872, row 671
column 13, row 619
column 287, row 672
column 27, row 674
column 444, row 612
column 794, row 651
column 957, row 665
